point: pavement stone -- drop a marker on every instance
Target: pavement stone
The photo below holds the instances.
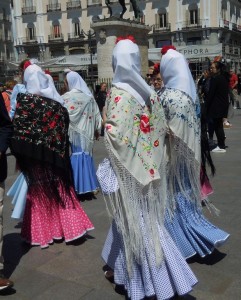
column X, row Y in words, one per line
column 74, row 271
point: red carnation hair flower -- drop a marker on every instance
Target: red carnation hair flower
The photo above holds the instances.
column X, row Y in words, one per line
column 166, row 48
column 156, row 68
column 26, row 64
column 128, row 37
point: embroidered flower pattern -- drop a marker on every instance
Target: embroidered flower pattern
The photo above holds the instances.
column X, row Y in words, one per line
column 47, row 129
column 137, row 128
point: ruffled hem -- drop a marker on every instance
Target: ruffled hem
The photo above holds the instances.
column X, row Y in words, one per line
column 84, row 173
column 191, row 231
column 46, row 219
column 173, row 276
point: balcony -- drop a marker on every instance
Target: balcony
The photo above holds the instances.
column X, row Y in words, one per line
column 27, row 10
column 54, row 7
column 29, row 40
column 73, row 5
column 8, row 38
column 94, row 3
column 192, row 24
column 56, row 38
column 158, row 28
column 73, row 36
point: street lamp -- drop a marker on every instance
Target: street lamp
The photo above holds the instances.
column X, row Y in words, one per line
column 89, row 34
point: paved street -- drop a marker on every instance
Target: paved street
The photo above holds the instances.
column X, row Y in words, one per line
column 75, row 271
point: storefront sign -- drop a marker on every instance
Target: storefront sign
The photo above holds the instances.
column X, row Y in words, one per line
column 190, row 51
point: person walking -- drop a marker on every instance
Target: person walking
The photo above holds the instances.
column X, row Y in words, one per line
column 218, row 103
column 100, row 99
column 185, row 222
column 41, row 146
column 6, row 130
column 85, row 124
column 139, row 251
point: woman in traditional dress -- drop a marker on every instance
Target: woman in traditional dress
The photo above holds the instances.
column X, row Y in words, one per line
column 141, row 254
column 189, row 229
column 40, row 145
column 85, row 124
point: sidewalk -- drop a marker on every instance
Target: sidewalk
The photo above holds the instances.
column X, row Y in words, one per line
column 75, row 271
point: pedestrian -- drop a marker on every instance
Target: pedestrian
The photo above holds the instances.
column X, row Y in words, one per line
column 218, row 103
column 41, row 147
column 233, row 85
column 140, row 253
column 6, row 130
column 85, row 125
column 8, row 92
column 191, row 231
column 157, row 80
column 100, row 99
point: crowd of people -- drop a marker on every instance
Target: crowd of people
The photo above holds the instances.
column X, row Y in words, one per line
column 156, row 136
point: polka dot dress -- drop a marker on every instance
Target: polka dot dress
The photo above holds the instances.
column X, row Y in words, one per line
column 45, row 219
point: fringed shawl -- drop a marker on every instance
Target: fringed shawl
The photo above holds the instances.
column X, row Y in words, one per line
column 183, row 144
column 40, row 140
column 85, row 119
column 134, row 139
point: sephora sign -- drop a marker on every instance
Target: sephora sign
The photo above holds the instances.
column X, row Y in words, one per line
column 190, row 51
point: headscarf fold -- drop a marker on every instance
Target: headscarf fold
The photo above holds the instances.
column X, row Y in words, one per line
column 39, row 83
column 126, row 63
column 176, row 73
column 75, row 81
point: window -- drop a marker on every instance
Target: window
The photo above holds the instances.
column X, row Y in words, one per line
column 30, row 31
column 193, row 16
column 163, row 20
column 56, row 31
column 76, row 26
column 53, row 2
column 76, row 29
column 161, row 43
column 28, row 3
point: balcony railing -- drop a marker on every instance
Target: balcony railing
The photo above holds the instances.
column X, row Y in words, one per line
column 74, row 36
column 56, row 38
column 5, row 18
column 94, row 3
column 53, row 7
column 73, row 4
column 28, row 10
column 158, row 28
column 192, row 24
column 29, row 40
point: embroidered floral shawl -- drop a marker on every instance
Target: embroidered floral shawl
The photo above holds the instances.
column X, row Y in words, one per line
column 85, row 119
column 184, row 150
column 134, row 140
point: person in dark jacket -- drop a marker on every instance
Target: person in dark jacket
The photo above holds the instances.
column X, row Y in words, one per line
column 100, row 99
column 218, row 102
column 6, row 130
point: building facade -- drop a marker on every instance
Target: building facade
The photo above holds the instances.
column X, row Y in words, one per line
column 6, row 40
column 57, row 30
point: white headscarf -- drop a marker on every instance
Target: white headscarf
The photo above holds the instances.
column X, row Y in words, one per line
column 75, row 81
column 39, row 83
column 126, row 65
column 176, row 74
